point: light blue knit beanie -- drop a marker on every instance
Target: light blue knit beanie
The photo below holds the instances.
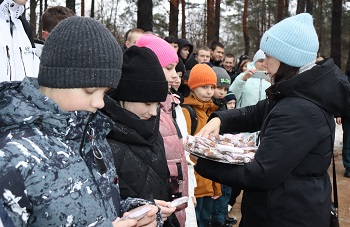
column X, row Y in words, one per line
column 292, row 41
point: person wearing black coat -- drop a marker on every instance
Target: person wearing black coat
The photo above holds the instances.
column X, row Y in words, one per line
column 135, row 140
column 287, row 183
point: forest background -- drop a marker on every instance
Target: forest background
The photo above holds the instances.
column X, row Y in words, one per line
column 238, row 24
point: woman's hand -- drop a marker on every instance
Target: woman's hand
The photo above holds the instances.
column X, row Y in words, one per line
column 165, row 210
column 212, row 127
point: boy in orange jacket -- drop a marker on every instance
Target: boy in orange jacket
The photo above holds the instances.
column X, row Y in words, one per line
column 202, row 82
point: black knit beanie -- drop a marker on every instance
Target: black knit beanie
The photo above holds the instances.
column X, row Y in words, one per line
column 143, row 78
column 79, row 53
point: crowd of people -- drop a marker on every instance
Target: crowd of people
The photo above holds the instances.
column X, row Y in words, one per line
column 92, row 132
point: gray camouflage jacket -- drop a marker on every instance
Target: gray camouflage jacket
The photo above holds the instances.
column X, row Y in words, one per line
column 48, row 173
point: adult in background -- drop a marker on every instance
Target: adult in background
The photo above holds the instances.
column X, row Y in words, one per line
column 217, row 51
column 344, row 120
column 287, row 183
column 228, row 63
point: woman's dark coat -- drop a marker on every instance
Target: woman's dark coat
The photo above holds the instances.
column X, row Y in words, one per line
column 287, row 183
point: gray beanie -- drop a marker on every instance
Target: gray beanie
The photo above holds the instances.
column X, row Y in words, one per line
column 222, row 77
column 79, row 53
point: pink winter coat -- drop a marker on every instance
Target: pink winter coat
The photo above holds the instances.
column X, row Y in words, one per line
column 175, row 154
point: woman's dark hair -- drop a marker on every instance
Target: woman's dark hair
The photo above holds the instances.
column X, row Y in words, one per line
column 284, row 72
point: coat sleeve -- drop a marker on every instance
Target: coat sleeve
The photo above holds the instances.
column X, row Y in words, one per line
column 283, row 146
column 188, row 120
column 237, row 86
column 217, row 189
column 247, row 119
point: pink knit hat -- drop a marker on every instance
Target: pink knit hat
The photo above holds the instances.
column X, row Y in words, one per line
column 165, row 52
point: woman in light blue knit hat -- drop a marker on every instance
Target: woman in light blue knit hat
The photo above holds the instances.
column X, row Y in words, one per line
column 287, row 183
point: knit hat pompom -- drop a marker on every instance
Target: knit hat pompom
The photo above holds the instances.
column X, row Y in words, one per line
column 142, row 79
column 292, row 41
column 200, row 75
column 222, row 77
column 165, row 52
column 258, row 55
column 230, row 96
column 79, row 53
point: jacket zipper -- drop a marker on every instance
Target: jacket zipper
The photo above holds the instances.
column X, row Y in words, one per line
column 24, row 67
column 8, row 62
column 91, row 117
column 98, row 156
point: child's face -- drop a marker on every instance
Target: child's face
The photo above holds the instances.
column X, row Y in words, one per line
column 203, row 56
column 177, row 81
column 204, row 93
column 220, row 92
column 176, row 46
column 231, row 104
column 77, row 99
column 184, row 52
column 170, row 73
column 143, row 110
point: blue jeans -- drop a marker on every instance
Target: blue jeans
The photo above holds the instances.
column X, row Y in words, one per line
column 346, row 142
column 203, row 211
column 220, row 210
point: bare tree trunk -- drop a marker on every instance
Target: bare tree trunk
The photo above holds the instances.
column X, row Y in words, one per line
column 286, row 9
column 45, row 7
column 70, row 4
column 183, row 19
column 32, row 17
column 336, row 32
column 310, row 6
column 320, row 26
column 210, row 21
column 217, row 20
column 92, row 11
column 280, row 10
column 40, row 24
column 174, row 18
column 245, row 28
column 263, row 19
column 82, row 8
column 348, row 64
column 300, row 6
column 145, row 15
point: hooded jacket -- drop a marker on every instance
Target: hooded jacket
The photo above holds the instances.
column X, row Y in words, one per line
column 48, row 173
column 139, row 154
column 182, row 43
column 287, row 183
column 205, row 187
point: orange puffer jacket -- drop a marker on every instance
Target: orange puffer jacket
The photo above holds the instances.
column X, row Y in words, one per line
column 205, row 187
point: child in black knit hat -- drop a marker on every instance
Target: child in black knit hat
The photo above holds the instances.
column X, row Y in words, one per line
column 135, row 140
column 56, row 167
